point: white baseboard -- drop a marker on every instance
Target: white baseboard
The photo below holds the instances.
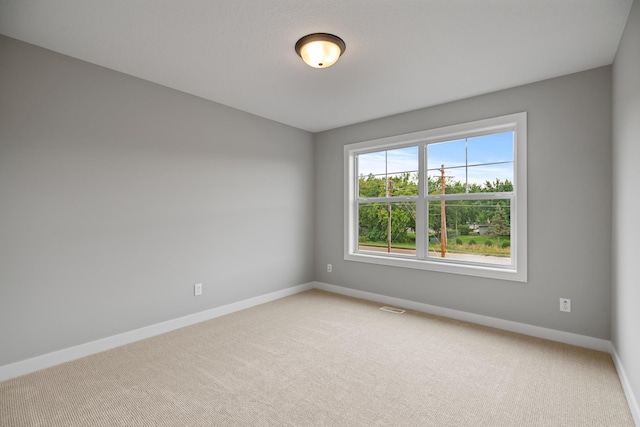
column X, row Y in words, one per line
column 65, row 355
column 626, row 386
column 507, row 325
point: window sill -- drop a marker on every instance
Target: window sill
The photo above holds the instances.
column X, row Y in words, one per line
column 492, row 272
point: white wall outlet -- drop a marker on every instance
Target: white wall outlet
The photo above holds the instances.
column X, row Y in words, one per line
column 565, row 305
column 197, row 289
column 329, row 268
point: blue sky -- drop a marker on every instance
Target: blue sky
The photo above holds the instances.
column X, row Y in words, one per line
column 480, row 150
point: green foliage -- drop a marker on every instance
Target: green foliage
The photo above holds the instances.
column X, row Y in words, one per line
column 488, row 243
column 498, row 186
column 376, row 235
column 458, row 241
column 434, row 186
column 506, row 245
column 374, row 221
column 499, row 224
column 472, row 242
column 373, row 217
column 465, row 212
column 405, row 184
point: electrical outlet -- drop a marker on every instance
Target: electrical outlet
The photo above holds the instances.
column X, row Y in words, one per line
column 565, row 305
column 197, row 289
column 329, row 268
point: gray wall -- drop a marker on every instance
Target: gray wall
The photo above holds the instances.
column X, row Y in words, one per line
column 626, row 176
column 569, row 200
column 118, row 195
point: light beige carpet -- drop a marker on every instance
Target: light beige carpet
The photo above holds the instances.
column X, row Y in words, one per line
column 318, row 359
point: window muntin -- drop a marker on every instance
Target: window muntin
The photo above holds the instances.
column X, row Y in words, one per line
column 479, row 164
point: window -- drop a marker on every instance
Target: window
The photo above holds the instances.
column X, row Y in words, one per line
column 450, row 199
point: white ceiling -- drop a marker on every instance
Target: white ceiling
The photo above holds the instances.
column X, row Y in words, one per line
column 401, row 54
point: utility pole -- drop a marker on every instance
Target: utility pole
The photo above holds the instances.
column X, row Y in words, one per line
column 443, row 216
column 389, row 185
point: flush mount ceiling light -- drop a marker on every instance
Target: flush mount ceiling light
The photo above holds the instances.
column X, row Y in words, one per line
column 320, row 50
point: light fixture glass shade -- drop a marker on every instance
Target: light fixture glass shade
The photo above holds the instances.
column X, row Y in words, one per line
column 320, row 50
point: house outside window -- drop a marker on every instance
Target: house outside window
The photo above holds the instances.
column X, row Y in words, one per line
column 450, row 199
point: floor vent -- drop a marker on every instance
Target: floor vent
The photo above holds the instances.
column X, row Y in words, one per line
column 392, row 310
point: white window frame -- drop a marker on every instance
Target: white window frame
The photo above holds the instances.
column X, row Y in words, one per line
column 515, row 272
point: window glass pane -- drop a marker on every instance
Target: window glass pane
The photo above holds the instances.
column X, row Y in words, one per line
column 494, row 148
column 446, row 167
column 453, row 180
column 476, row 230
column 478, row 164
column 491, row 178
column 402, row 166
column 402, row 160
column 449, row 153
column 372, row 163
column 372, row 186
column 491, row 162
column 388, row 173
column 374, row 227
column 404, row 184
